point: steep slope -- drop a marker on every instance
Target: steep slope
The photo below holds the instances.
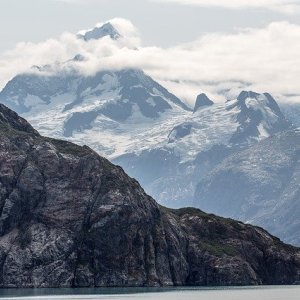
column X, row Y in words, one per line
column 136, row 123
column 99, row 32
column 133, row 121
column 198, row 142
column 292, row 112
column 259, row 185
column 259, row 117
column 68, row 217
column 202, row 101
column 67, row 103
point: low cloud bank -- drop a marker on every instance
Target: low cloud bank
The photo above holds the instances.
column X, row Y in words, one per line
column 261, row 59
column 282, row 6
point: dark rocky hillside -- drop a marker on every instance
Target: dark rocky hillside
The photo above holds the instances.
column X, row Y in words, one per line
column 68, row 217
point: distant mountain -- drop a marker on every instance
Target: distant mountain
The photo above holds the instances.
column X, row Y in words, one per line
column 97, row 33
column 131, row 119
column 67, row 103
column 70, row 218
column 259, row 185
column 129, row 94
column 292, row 112
column 259, row 117
column 135, row 122
column 199, row 141
column 202, row 101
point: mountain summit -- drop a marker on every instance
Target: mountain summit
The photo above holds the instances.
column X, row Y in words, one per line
column 202, row 101
column 76, row 102
column 97, row 33
column 259, row 117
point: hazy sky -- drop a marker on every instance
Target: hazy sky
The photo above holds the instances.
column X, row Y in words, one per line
column 190, row 46
column 161, row 23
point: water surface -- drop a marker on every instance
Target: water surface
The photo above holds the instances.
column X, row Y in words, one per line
column 238, row 293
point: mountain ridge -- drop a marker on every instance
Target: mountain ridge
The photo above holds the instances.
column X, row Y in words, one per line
column 136, row 123
column 70, row 218
column 98, row 32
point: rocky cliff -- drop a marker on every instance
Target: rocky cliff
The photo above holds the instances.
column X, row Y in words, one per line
column 68, row 217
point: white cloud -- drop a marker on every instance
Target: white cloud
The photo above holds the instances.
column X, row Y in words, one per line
column 260, row 59
column 284, row 6
column 26, row 54
column 73, row 1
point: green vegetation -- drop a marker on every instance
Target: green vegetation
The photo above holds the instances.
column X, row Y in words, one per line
column 190, row 211
column 183, row 211
column 68, row 148
column 199, row 213
column 218, row 249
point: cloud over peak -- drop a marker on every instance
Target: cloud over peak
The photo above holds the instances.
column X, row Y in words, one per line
column 262, row 59
column 283, row 6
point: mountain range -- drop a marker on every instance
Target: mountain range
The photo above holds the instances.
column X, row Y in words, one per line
column 70, row 218
column 216, row 156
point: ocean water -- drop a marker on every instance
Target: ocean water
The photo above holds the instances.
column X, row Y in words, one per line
column 238, row 293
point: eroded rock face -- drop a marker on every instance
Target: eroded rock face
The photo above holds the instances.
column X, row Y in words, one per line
column 202, row 101
column 68, row 217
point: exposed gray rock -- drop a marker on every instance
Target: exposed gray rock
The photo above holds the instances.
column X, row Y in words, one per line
column 201, row 101
column 137, row 90
column 68, row 217
column 43, row 88
column 291, row 111
column 180, row 132
column 97, row 33
column 259, row 117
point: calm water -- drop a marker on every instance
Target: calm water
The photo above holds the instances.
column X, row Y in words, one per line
column 249, row 293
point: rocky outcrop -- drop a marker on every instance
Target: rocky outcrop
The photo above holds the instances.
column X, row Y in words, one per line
column 259, row 117
column 69, row 218
column 106, row 30
column 202, row 101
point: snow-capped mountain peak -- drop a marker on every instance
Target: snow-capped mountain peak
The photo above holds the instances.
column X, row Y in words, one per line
column 247, row 94
column 70, row 104
column 131, row 119
column 97, row 33
column 202, row 101
column 259, row 116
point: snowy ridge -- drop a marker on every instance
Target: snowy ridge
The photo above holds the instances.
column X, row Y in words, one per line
column 129, row 118
column 209, row 126
column 99, row 32
column 216, row 126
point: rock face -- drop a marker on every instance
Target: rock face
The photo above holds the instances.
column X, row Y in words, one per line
column 202, row 101
column 69, row 218
column 259, row 117
column 292, row 112
column 97, row 33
